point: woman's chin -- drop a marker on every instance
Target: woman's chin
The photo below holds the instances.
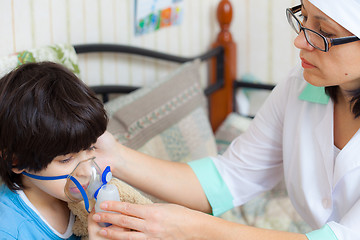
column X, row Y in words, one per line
column 313, row 80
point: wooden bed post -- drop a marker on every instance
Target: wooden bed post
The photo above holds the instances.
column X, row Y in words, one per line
column 221, row 102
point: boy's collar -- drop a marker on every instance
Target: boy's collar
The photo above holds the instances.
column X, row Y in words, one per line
column 314, row 94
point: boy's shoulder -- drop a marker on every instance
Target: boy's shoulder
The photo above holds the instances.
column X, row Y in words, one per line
column 18, row 221
column 13, row 217
column 10, row 206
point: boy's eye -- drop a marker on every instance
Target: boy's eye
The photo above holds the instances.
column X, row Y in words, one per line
column 66, row 160
column 92, row 148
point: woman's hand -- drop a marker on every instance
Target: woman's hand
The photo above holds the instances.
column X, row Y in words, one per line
column 169, row 221
column 153, row 221
column 107, row 151
column 95, row 230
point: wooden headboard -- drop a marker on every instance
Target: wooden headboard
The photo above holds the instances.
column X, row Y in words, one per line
column 222, row 101
column 222, row 67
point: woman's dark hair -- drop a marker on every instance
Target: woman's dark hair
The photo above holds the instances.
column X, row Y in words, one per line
column 355, row 101
column 45, row 111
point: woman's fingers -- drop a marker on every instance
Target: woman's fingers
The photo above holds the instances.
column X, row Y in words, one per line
column 130, row 209
column 152, row 221
column 119, row 229
column 113, row 233
column 127, row 220
column 94, row 228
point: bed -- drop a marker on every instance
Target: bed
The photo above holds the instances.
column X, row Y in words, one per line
column 176, row 118
column 181, row 137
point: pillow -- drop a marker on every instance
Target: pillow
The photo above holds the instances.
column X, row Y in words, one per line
column 59, row 53
column 272, row 209
column 167, row 120
column 233, row 126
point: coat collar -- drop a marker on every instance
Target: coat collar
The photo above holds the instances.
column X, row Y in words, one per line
column 314, row 94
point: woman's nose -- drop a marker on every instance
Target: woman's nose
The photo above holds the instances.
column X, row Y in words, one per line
column 301, row 43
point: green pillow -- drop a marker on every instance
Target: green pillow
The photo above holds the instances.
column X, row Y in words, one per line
column 59, row 53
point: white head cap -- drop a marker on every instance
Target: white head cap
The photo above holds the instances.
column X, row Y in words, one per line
column 344, row 12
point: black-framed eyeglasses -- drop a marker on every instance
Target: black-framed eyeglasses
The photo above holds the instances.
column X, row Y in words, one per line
column 315, row 39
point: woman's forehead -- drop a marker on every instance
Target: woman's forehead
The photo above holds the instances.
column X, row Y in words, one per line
column 309, row 7
column 321, row 16
column 344, row 13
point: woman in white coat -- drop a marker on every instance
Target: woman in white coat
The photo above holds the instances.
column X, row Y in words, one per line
column 307, row 131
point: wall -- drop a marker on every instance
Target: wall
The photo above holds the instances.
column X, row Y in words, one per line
column 259, row 28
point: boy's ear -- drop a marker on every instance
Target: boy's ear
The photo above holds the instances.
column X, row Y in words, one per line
column 14, row 168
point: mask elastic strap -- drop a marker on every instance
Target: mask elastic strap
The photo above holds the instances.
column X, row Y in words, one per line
column 78, row 185
column 44, row 177
column 82, row 191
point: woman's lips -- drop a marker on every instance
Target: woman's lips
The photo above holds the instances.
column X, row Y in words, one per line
column 306, row 64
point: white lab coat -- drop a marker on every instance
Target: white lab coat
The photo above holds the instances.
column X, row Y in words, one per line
column 294, row 138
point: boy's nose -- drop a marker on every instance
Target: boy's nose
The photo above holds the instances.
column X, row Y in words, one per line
column 84, row 168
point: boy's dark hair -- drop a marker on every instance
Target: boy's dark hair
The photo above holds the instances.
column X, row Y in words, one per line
column 45, row 111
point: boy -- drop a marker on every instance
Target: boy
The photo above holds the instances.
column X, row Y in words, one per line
column 49, row 121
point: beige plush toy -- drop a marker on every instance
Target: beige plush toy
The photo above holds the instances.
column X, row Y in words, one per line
column 127, row 194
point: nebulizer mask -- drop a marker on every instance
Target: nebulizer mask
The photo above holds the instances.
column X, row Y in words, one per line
column 86, row 182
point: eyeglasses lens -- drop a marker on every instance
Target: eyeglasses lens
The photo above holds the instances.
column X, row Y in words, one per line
column 315, row 40
column 294, row 23
column 312, row 37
